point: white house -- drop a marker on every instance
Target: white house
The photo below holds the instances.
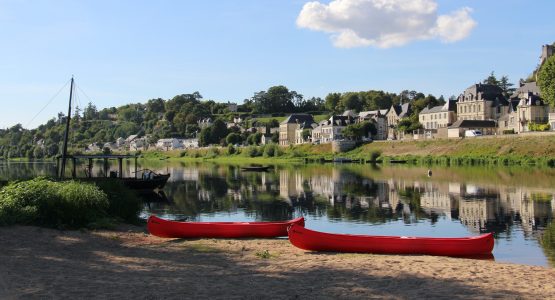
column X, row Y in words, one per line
column 169, row 144
column 189, row 143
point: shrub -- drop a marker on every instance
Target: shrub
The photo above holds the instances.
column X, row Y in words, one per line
column 252, row 151
column 270, row 150
column 374, row 155
column 56, row 204
column 509, row 131
column 212, row 152
column 230, row 149
column 538, row 127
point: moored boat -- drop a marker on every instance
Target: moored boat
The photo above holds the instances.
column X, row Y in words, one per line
column 320, row 241
column 256, row 168
column 174, row 229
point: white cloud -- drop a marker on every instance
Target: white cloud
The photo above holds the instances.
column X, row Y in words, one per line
column 384, row 23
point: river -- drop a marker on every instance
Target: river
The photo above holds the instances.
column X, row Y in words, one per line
column 516, row 204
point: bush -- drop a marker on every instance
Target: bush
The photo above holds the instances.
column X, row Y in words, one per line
column 374, row 155
column 252, row 151
column 54, row 204
column 230, row 149
column 212, row 152
column 538, row 127
column 270, row 150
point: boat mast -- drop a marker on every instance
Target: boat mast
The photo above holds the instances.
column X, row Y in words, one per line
column 66, row 134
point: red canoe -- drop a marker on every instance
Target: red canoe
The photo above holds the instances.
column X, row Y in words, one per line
column 319, row 241
column 173, row 229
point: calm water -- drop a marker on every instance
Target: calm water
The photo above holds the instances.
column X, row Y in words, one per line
column 516, row 204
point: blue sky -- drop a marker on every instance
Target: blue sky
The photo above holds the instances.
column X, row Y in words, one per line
column 131, row 51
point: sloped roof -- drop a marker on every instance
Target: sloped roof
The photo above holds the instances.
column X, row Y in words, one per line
column 298, row 118
column 473, row 124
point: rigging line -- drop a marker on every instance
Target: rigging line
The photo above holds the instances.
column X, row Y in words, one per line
column 49, row 101
column 90, row 100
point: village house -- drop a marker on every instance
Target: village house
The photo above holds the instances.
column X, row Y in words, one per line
column 526, row 107
column 302, row 127
column 169, row 144
column 482, row 102
column 189, row 143
column 288, row 126
column 203, row 123
column 331, row 129
column 394, row 115
column 232, row 106
column 93, row 147
column 441, row 116
column 120, row 142
column 379, row 119
column 137, row 143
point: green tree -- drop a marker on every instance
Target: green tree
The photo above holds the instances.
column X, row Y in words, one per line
column 332, row 101
column 276, row 99
column 491, row 79
column 351, row 101
column 546, row 80
column 234, row 138
column 506, row 86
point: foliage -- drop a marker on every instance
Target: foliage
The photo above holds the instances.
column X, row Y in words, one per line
column 359, row 130
column 538, row 127
column 234, row 138
column 546, row 80
column 230, row 149
column 275, row 99
column 55, row 204
column 503, row 83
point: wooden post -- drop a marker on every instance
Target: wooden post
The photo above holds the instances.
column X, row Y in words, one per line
column 58, row 166
column 120, row 161
column 136, row 167
column 105, row 167
column 74, row 171
column 90, row 167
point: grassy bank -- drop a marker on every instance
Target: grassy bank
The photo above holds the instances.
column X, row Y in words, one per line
column 500, row 150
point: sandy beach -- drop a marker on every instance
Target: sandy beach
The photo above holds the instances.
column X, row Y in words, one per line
column 38, row 263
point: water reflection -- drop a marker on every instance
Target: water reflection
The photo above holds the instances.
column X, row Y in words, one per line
column 516, row 204
column 351, row 198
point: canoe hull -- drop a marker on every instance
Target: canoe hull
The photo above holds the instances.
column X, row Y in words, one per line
column 172, row 229
column 319, row 241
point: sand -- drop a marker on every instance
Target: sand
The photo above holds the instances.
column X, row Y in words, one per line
column 38, row 263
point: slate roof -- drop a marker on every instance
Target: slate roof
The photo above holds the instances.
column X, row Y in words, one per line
column 473, row 124
column 338, row 121
column 298, row 118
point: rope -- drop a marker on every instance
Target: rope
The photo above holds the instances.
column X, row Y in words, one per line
column 49, row 101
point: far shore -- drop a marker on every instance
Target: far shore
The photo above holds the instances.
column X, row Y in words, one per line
column 130, row 264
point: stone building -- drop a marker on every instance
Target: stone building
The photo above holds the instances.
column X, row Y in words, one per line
column 482, row 102
column 441, row 116
column 526, row 107
column 394, row 115
column 378, row 117
column 288, row 127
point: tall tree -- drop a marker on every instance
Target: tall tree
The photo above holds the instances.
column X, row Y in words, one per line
column 332, row 101
column 491, row 79
column 506, row 86
column 546, row 80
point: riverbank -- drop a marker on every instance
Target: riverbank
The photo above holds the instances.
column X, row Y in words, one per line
column 495, row 150
column 130, row 264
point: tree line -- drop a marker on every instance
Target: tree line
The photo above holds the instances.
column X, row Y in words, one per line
column 180, row 115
